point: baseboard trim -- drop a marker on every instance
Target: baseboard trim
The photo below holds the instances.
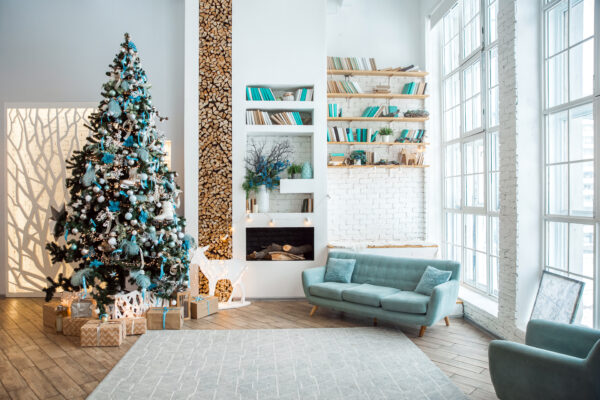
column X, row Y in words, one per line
column 479, row 326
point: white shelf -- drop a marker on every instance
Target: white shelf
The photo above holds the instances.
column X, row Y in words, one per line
column 297, row 186
column 280, row 220
column 279, row 130
column 280, row 105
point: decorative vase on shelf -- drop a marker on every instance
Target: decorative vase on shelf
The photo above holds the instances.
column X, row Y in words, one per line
column 386, row 138
column 307, row 172
column 296, row 176
column 262, row 199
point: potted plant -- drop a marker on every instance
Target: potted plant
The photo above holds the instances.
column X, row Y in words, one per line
column 295, row 171
column 385, row 134
column 262, row 170
column 358, row 157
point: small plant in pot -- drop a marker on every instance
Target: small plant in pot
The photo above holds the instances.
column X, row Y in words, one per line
column 295, row 171
column 385, row 134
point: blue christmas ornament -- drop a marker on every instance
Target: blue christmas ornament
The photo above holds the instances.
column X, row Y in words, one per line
column 90, row 175
column 114, row 109
column 128, row 142
column 125, row 85
column 96, row 263
column 113, row 206
column 108, row 158
column 143, row 217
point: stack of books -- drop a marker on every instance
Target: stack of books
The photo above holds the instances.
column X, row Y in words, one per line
column 406, row 157
column 340, row 134
column 287, row 118
column 336, row 159
column 382, row 89
column 304, row 94
column 258, row 117
column 351, row 63
column 251, row 206
column 379, row 111
column 414, row 88
column 259, row 94
column 307, row 205
column 343, row 87
column 333, row 110
column 411, row 136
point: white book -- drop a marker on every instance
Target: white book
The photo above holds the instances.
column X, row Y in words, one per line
column 357, row 87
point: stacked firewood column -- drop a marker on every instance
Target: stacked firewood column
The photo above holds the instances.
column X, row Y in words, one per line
column 214, row 130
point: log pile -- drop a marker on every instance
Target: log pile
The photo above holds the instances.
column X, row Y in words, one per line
column 214, row 129
column 278, row 252
column 223, row 289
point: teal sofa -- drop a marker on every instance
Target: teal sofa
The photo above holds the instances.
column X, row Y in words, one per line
column 383, row 287
column 557, row 361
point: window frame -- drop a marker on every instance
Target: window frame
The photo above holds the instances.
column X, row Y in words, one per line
column 594, row 100
column 483, row 132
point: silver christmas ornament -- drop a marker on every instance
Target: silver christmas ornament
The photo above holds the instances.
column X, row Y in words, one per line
column 101, row 199
column 128, row 216
column 88, row 198
column 75, row 230
column 84, row 252
column 112, row 242
column 96, row 189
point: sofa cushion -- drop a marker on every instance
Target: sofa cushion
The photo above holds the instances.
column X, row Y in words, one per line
column 430, row 279
column 330, row 290
column 369, row 295
column 339, row 270
column 407, row 302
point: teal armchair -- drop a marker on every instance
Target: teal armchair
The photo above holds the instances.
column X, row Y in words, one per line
column 557, row 361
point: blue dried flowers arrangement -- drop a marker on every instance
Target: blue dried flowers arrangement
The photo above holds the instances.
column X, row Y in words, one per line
column 263, row 168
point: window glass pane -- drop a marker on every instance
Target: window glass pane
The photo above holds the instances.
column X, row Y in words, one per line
column 475, row 232
column 494, row 266
column 494, row 236
column 481, row 269
column 453, row 192
column 474, row 156
column 556, row 22
column 581, row 70
column 493, row 151
column 556, row 85
column 454, row 228
column 586, row 307
column 451, row 92
column 469, row 265
column 451, row 24
column 557, row 189
column 493, row 192
column 493, row 112
column 581, row 133
column 581, row 249
column 581, row 24
column 556, row 244
column 492, row 28
column 451, row 56
column 472, row 90
column 453, row 164
column 581, row 182
column 557, row 137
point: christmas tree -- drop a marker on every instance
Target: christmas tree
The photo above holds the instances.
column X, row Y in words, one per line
column 120, row 223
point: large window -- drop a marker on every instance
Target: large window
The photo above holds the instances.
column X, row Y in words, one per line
column 471, row 118
column 571, row 220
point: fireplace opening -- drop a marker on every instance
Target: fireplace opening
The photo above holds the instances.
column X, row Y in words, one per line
column 280, row 244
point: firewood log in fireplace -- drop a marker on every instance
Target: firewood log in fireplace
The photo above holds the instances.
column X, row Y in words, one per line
column 281, row 251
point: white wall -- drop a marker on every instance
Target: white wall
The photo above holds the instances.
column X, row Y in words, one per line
column 287, row 49
column 388, row 30
column 58, row 51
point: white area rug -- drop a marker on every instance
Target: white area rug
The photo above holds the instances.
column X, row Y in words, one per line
column 336, row 363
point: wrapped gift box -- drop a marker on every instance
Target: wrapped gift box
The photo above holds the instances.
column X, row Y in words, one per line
column 82, row 309
column 50, row 311
column 72, row 326
column 201, row 306
column 135, row 326
column 164, row 318
column 96, row 333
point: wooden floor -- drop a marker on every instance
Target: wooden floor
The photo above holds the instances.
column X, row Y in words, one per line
column 36, row 363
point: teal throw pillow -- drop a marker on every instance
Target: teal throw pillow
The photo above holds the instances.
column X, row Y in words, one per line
column 339, row 270
column 431, row 278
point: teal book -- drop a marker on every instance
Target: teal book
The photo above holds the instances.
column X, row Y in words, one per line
column 330, row 109
column 405, row 88
column 392, row 109
column 248, row 97
column 328, row 139
column 403, row 135
column 263, row 93
column 374, row 136
column 373, row 111
column 335, row 113
column 303, row 95
column 366, row 112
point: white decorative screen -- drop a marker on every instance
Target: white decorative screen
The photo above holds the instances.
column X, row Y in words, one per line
column 39, row 140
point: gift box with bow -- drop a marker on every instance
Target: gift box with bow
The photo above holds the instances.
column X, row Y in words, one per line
column 164, row 318
column 201, row 306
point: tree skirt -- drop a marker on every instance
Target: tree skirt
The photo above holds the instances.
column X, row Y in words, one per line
column 336, row 363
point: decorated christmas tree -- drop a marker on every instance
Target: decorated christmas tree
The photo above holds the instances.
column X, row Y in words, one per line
column 120, row 223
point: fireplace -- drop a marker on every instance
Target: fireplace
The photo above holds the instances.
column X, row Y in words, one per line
column 280, row 244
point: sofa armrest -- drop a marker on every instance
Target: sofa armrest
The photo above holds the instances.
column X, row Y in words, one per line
column 573, row 340
column 519, row 371
column 312, row 276
column 442, row 301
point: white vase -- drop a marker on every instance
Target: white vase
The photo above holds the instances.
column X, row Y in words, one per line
column 386, row 138
column 262, row 199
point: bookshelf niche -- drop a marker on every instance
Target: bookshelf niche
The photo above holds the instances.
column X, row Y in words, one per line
column 276, row 113
column 362, row 101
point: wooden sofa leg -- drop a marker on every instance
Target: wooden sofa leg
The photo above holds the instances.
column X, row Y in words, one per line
column 422, row 331
column 374, row 321
column 447, row 321
column 313, row 311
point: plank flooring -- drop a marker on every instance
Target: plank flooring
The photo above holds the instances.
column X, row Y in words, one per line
column 36, row 363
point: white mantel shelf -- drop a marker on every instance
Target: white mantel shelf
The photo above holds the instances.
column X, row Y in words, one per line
column 280, row 105
column 280, row 130
column 280, row 220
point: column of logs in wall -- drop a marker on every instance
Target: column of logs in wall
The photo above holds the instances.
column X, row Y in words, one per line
column 214, row 129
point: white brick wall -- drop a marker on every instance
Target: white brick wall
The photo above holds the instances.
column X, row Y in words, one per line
column 376, row 204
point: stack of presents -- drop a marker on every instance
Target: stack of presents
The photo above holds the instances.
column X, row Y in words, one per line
column 73, row 315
